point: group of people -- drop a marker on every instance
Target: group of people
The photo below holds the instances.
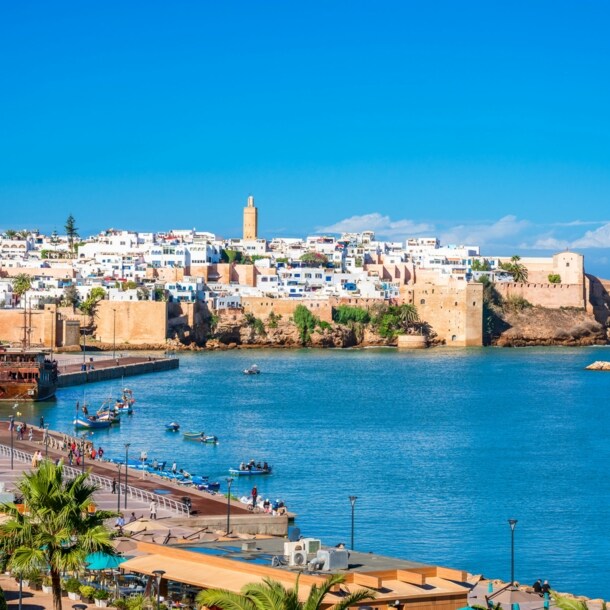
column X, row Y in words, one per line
column 252, row 465
column 542, row 587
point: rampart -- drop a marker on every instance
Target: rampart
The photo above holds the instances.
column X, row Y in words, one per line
column 136, row 322
column 548, row 295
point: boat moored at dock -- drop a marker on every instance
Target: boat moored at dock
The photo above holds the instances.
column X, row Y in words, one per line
column 26, row 374
column 92, row 422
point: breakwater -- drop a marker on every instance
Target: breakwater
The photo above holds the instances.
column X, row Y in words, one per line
column 104, row 370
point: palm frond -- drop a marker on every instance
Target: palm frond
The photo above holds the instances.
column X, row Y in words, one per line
column 225, row 600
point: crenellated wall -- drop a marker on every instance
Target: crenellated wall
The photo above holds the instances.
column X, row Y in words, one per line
column 548, row 295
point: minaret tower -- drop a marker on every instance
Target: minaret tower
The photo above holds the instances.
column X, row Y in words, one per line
column 250, row 220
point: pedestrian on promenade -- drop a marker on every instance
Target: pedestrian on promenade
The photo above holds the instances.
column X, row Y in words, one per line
column 31, row 434
column 254, row 496
column 113, row 486
column 100, row 453
column 546, row 587
column 153, row 509
column 42, row 421
column 132, row 518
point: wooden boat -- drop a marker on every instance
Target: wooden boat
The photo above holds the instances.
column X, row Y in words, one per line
column 252, row 370
column 110, row 416
column 172, row 427
column 201, row 437
column 81, row 421
column 26, row 374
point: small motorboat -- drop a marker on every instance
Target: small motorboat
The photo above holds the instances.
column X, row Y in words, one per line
column 204, row 484
column 90, row 422
column 248, row 470
column 202, row 437
column 252, row 370
column 172, row 427
column 193, row 436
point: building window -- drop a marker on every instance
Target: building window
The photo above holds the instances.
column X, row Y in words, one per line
column 422, row 302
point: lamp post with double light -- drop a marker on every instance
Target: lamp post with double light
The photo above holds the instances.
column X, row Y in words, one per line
column 158, row 576
column 352, row 500
column 118, row 500
column 512, row 523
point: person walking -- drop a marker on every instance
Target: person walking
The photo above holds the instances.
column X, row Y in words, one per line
column 114, row 486
column 31, row 434
column 254, row 496
column 42, row 421
column 153, row 509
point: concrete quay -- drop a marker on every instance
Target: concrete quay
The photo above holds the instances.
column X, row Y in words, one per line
column 207, row 510
column 112, row 368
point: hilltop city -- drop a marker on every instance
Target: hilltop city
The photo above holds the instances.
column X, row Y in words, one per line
column 184, row 284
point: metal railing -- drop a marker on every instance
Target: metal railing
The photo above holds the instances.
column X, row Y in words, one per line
column 135, row 493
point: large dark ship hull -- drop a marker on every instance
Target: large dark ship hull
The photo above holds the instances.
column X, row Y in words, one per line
column 11, row 392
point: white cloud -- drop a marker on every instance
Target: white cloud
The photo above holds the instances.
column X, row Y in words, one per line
column 481, row 234
column 600, row 238
column 547, row 243
column 383, row 226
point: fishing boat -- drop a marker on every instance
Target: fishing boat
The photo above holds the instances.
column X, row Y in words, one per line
column 172, row 427
column 252, row 370
column 92, row 422
column 110, row 416
column 26, row 374
column 250, row 469
column 127, row 398
column 202, row 437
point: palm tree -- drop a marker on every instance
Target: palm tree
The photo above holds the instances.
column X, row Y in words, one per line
column 21, row 284
column 56, row 531
column 10, row 233
column 407, row 314
column 272, row 595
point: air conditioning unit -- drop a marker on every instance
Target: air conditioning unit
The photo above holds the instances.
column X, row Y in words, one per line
column 311, row 545
column 297, row 558
column 334, row 559
column 290, row 547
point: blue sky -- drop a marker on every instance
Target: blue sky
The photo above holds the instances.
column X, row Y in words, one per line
column 480, row 122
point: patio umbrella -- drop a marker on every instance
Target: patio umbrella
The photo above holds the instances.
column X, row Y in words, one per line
column 145, row 525
column 123, row 545
column 103, row 561
column 515, row 596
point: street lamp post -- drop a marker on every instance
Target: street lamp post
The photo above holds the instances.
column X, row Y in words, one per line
column 84, row 350
column 113, row 333
column 126, row 468
column 512, row 523
column 45, row 436
column 12, row 427
column 158, row 575
column 352, row 500
column 229, row 482
column 118, row 501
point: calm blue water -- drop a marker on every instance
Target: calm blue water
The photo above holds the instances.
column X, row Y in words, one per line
column 440, row 446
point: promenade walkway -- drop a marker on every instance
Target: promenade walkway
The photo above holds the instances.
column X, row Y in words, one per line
column 170, row 496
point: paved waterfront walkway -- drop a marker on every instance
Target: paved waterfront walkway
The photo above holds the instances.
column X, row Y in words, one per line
column 141, row 490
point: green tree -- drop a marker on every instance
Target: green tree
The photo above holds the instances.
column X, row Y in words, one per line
column 57, row 531
column 272, row 595
column 306, row 323
column 71, row 296
column 516, row 269
column 10, row 233
column 316, row 259
column 21, row 284
column 231, row 256
column 554, row 278
column 480, row 265
column 89, row 305
column 71, row 232
column 345, row 314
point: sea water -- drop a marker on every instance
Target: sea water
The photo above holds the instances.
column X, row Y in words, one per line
column 441, row 447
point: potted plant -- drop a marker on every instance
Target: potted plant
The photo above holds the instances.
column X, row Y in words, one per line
column 86, row 593
column 47, row 584
column 119, row 604
column 72, row 586
column 101, row 597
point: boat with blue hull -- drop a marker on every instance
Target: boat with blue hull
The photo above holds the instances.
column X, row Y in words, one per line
column 172, row 427
column 92, row 423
